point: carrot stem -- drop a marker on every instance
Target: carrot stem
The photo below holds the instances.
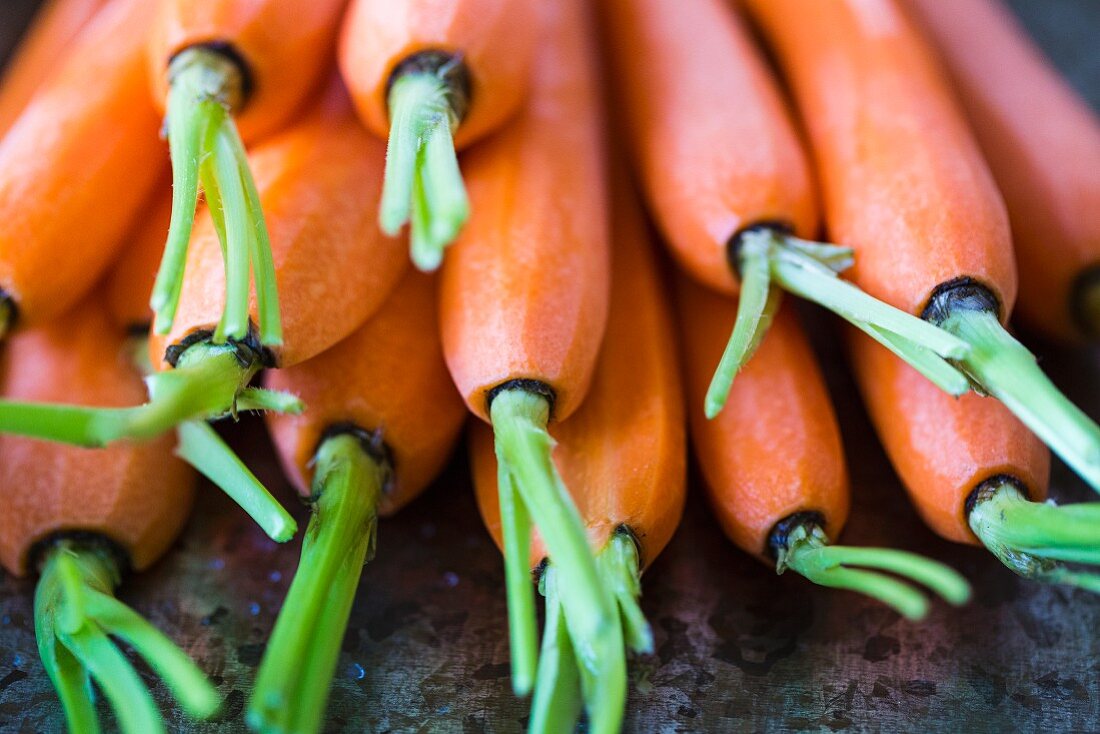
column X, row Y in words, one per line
column 296, row 672
column 523, row 447
column 1004, row 368
column 807, row 551
column 557, row 703
column 205, row 147
column 421, row 152
column 75, row 613
column 522, row 624
column 1031, row 537
column 621, row 571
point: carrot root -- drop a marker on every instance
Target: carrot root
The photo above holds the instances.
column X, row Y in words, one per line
column 205, row 147
column 807, row 551
column 532, row 492
column 810, row 270
column 1033, row 538
column 296, row 672
column 75, row 612
column 423, row 185
column 1001, row 366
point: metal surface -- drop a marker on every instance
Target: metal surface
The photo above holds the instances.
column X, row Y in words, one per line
column 737, row 649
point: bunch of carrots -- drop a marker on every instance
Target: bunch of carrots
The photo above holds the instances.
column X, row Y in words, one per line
column 210, row 207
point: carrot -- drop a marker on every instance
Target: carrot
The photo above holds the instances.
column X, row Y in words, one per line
column 56, row 25
column 131, row 279
column 623, row 455
column 217, row 63
column 82, row 517
column 334, row 264
column 382, row 421
column 906, row 187
column 433, row 76
column 75, row 168
column 1042, row 142
column 523, row 306
column 728, row 180
column 974, row 472
column 774, row 465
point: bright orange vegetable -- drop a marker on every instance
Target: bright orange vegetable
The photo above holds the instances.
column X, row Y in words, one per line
column 81, row 517
column 1042, row 142
column 774, row 465
column 623, row 455
column 55, row 26
column 383, row 419
column 76, row 167
column 445, row 73
column 131, row 279
column 523, row 304
column 906, row 187
column 975, row 473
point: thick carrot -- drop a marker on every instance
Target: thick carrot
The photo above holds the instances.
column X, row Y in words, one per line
column 432, row 77
column 82, row 517
column 523, row 308
column 131, row 279
column 906, row 187
column 623, row 455
column 726, row 175
column 1042, row 143
column 327, row 252
column 774, row 465
column 75, row 168
column 383, row 418
column 217, row 64
column 55, row 26
column 974, row 472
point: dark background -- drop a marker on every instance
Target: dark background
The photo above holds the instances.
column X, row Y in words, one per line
column 737, row 648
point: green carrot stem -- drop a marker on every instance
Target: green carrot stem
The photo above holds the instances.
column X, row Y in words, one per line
column 522, row 625
column 269, row 401
column 205, row 147
column 523, row 446
column 201, row 447
column 421, row 153
column 557, row 703
column 1031, row 537
column 75, row 613
column 807, row 552
column 204, row 385
column 297, row 668
column 622, row 575
column 1005, row 369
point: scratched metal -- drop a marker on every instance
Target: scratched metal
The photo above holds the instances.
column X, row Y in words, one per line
column 737, row 649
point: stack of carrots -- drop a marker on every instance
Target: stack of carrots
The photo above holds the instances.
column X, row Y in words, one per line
column 913, row 166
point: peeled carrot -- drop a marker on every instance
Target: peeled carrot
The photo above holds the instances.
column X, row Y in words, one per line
column 131, row 279
column 1042, row 142
column 75, row 168
column 726, row 175
column 906, row 187
column 217, row 63
column 623, row 455
column 383, row 419
column 55, row 26
column 82, row 517
column 774, row 465
column 974, row 472
column 523, row 305
column 433, row 76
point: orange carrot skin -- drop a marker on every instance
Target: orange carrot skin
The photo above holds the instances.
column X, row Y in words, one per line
column 495, row 40
column 285, row 44
column 623, row 453
column 711, row 137
column 130, row 281
column 77, row 165
column 333, row 266
column 902, row 179
column 943, row 447
column 136, row 494
column 775, row 450
column 388, row 377
column 1042, row 142
column 56, row 25
column 525, row 288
